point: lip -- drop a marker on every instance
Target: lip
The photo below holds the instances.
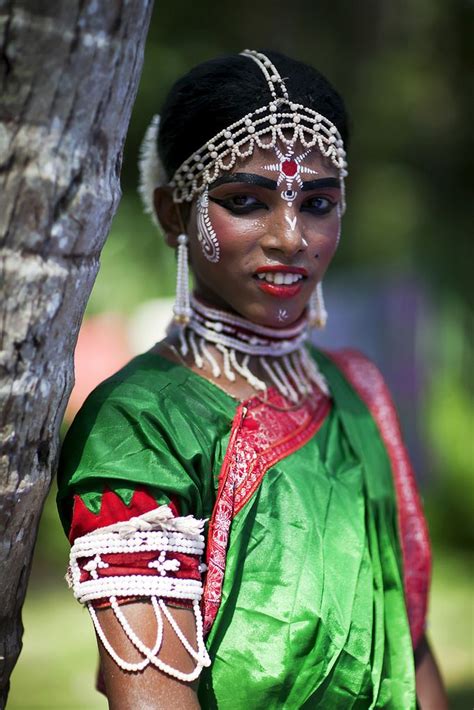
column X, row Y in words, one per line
column 282, row 268
column 279, row 291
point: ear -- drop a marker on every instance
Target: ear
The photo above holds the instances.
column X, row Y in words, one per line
column 168, row 214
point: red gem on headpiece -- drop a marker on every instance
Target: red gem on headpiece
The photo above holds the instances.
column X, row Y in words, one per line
column 289, row 168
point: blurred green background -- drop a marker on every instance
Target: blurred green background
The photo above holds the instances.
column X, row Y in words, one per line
column 401, row 68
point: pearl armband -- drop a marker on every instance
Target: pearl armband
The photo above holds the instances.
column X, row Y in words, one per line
column 96, row 572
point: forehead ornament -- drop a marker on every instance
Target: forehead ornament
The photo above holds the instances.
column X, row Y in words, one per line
column 289, row 168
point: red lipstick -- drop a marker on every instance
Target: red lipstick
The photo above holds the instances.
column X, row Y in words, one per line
column 280, row 291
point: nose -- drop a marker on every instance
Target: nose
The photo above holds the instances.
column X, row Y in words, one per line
column 285, row 233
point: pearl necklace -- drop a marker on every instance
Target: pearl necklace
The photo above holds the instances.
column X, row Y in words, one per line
column 291, row 370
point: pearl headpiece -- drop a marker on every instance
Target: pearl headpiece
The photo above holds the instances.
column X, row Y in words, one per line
column 280, row 121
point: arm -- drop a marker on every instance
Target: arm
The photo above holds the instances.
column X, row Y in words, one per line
column 429, row 685
column 150, row 689
column 152, row 652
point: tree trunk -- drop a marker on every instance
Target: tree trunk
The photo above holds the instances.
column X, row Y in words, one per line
column 69, row 71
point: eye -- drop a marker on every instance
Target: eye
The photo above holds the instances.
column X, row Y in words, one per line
column 318, row 205
column 239, row 203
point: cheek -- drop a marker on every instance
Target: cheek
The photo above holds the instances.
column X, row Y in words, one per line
column 326, row 237
column 236, row 235
column 237, row 238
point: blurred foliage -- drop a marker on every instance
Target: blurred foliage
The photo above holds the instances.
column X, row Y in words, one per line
column 449, row 424
column 401, row 68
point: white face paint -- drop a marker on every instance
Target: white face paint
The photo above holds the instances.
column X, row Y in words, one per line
column 206, row 234
column 289, row 169
column 282, row 315
column 291, row 222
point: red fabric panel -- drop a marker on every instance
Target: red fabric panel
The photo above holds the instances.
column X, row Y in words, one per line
column 112, row 510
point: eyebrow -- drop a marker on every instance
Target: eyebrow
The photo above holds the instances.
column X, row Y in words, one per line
column 253, row 179
column 249, row 178
column 322, row 182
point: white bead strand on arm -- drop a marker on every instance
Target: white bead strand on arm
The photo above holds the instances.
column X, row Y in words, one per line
column 155, row 531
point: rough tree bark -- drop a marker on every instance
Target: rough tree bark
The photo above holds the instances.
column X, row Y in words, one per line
column 69, row 71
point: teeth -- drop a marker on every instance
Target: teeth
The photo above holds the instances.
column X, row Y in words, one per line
column 279, row 278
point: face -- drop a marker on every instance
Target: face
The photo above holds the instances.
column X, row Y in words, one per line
column 275, row 245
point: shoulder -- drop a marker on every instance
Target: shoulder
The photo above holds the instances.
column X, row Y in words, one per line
column 148, row 373
column 125, row 434
column 144, row 384
column 133, row 404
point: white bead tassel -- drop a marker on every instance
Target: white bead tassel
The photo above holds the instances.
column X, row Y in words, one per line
column 312, row 371
column 292, row 394
column 274, row 377
column 183, row 343
column 342, row 207
column 228, row 371
column 318, row 314
column 303, row 384
column 198, row 361
column 216, row 370
column 182, row 306
column 244, row 371
column 302, row 389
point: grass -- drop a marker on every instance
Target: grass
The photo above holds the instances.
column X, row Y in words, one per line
column 56, row 669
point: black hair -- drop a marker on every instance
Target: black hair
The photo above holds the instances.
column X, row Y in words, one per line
column 216, row 93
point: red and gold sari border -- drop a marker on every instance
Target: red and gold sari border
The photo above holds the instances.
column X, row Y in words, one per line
column 263, row 433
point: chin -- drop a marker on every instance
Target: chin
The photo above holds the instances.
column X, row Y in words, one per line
column 266, row 310
column 280, row 315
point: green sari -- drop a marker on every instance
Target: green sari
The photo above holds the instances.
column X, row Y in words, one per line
column 304, row 601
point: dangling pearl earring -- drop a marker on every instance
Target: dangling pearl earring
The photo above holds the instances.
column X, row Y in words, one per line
column 318, row 314
column 182, row 307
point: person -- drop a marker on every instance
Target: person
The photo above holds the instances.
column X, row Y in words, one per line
column 246, row 530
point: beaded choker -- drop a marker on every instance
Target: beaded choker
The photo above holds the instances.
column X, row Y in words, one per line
column 279, row 352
